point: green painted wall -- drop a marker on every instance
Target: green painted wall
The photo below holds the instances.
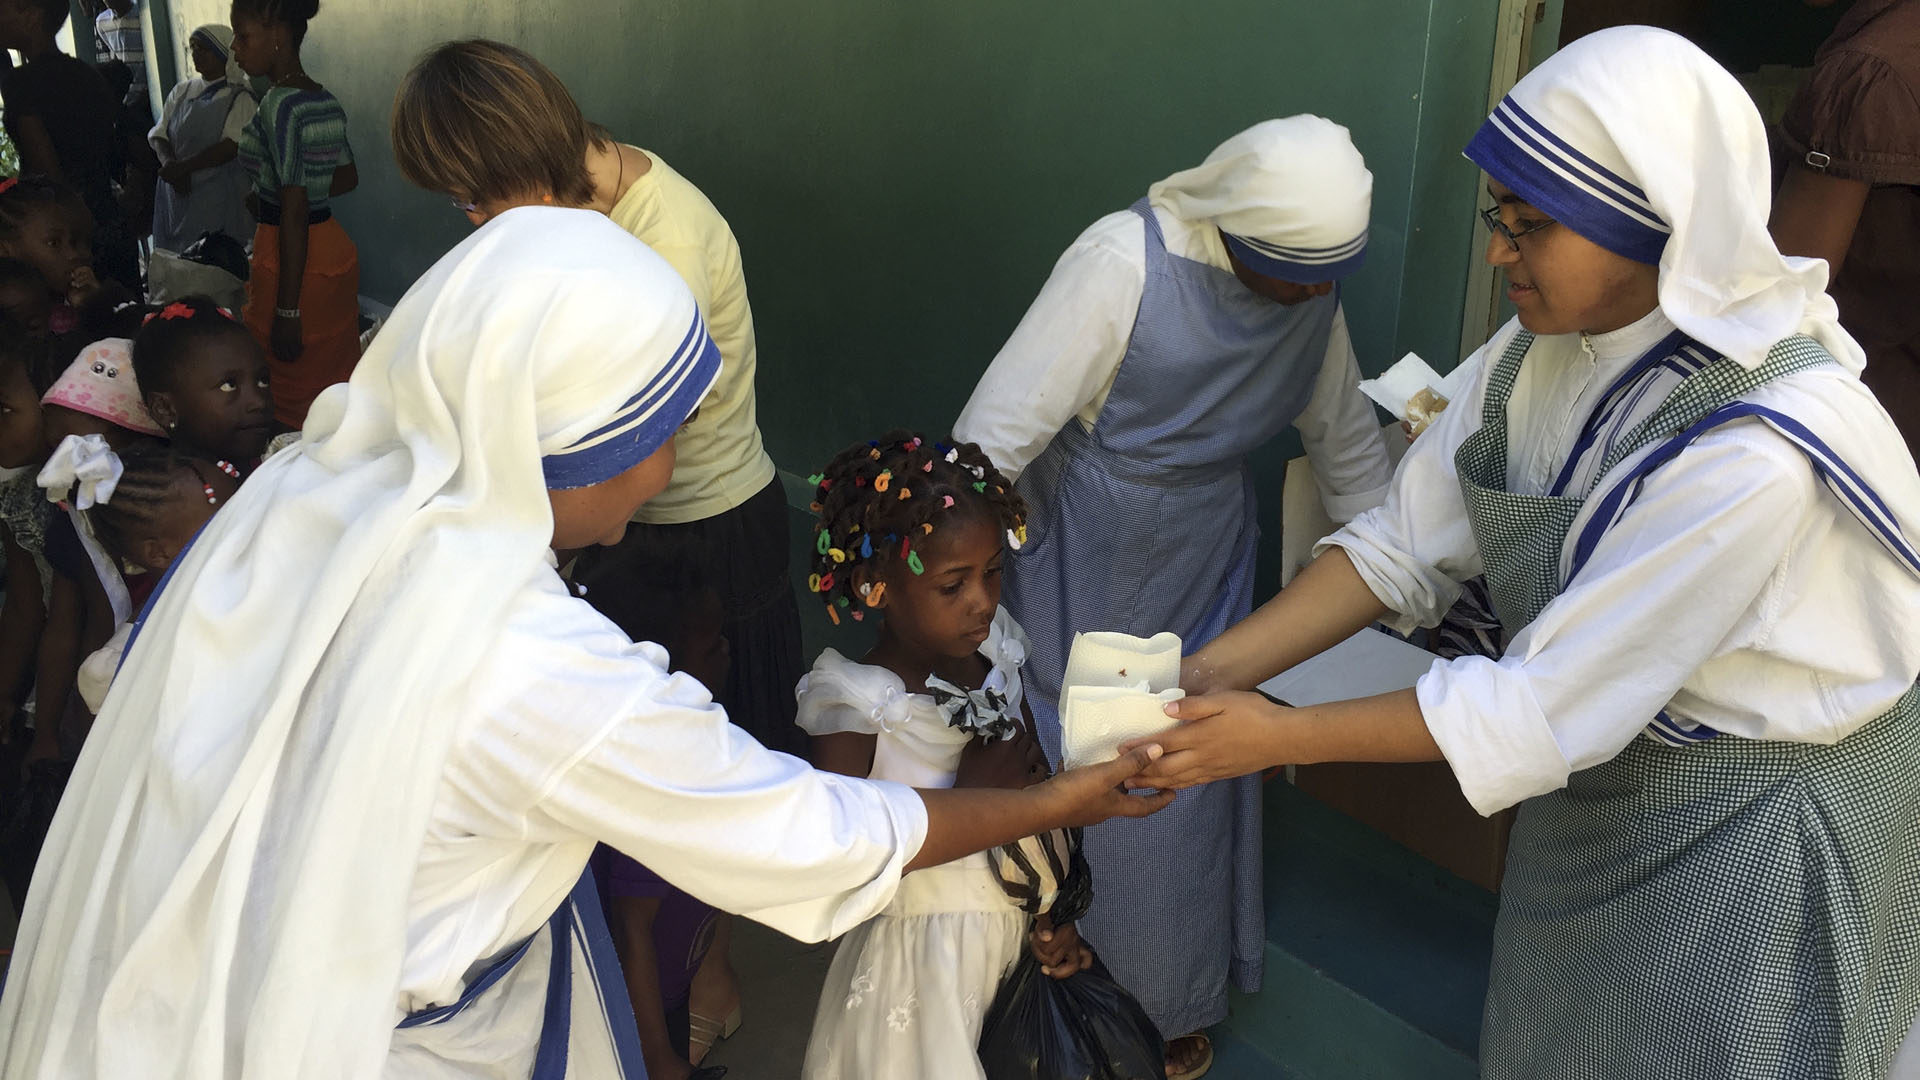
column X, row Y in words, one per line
column 902, row 176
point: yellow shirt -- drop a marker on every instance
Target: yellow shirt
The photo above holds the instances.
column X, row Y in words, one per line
column 721, row 461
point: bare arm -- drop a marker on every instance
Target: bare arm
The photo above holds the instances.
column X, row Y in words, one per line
column 211, row 158
column 961, row 821
column 1232, row 734
column 345, row 179
column 293, row 245
column 58, row 665
column 1815, row 215
column 1326, row 604
column 849, row 753
column 36, row 148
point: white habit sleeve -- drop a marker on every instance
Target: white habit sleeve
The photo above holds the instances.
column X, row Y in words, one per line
column 699, row 802
column 1658, row 598
column 1341, row 434
column 1065, row 351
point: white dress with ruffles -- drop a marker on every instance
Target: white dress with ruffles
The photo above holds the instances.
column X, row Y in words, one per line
column 908, row 988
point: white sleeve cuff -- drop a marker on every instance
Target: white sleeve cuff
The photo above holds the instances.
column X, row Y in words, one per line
column 1415, row 595
column 1491, row 731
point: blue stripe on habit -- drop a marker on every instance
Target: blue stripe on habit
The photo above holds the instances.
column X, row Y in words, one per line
column 1296, row 272
column 643, row 427
column 1536, row 173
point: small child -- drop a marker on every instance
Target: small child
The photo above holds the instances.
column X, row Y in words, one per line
column 92, row 408
column 661, row 933
column 24, row 298
column 46, row 226
column 914, row 534
column 162, row 499
column 24, row 516
column 205, row 380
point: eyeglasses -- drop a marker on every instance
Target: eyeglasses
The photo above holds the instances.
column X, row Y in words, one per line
column 1491, row 215
column 465, row 207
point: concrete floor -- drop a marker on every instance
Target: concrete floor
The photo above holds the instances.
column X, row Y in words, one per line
column 779, row 982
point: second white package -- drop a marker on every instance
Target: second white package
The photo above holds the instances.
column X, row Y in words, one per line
column 1116, row 689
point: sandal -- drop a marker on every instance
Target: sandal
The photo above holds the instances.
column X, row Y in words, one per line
column 704, row 1032
column 1201, row 1065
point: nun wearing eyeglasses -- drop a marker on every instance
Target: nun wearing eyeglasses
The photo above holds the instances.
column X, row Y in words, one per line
column 1698, row 527
column 1172, row 340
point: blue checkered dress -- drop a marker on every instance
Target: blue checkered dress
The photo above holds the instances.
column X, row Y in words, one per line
column 1147, row 524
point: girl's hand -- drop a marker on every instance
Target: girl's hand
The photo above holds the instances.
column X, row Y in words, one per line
column 1220, row 736
column 82, row 286
column 1058, row 948
column 286, row 339
column 1091, row 794
column 1008, row 763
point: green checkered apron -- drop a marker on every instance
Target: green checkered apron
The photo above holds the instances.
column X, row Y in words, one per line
column 1725, row 908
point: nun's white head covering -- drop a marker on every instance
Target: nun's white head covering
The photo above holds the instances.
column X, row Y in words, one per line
column 219, row 39
column 1635, row 139
column 1291, row 196
column 227, row 880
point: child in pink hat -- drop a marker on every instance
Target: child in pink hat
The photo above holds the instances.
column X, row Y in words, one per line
column 98, row 395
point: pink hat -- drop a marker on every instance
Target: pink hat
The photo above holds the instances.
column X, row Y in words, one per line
column 100, row 383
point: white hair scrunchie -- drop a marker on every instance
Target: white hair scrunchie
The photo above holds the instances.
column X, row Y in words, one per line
column 85, row 466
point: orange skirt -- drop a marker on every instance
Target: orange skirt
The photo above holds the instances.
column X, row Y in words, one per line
column 329, row 315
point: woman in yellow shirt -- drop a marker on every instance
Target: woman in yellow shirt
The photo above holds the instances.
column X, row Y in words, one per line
column 724, row 510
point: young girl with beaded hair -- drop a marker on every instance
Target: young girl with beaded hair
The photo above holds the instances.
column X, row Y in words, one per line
column 913, row 534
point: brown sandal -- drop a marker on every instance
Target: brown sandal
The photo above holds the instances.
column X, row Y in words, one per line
column 1201, row 1066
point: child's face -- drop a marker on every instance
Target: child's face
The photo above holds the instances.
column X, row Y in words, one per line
column 22, row 434
column 219, row 403
column 29, row 305
column 186, row 510
column 51, row 242
column 701, row 649
column 948, row 610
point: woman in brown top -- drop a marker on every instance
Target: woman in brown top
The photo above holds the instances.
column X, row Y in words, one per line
column 1851, row 194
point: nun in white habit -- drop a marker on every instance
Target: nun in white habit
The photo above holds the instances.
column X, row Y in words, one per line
column 1698, row 528
column 333, row 817
column 1172, row 340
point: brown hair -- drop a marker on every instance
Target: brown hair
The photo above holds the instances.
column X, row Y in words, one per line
column 487, row 122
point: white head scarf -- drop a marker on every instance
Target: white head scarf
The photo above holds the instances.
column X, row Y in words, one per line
column 1291, row 195
column 1635, row 139
column 219, row 38
column 223, row 892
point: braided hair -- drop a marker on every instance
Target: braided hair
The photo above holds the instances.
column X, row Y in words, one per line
column 155, row 481
column 24, row 196
column 292, row 14
column 877, row 501
column 167, row 335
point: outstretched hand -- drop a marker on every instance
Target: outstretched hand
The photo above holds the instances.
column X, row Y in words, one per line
column 1221, row 735
column 1091, row 794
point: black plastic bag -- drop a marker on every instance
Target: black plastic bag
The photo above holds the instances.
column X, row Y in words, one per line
column 1084, row 1027
column 219, row 250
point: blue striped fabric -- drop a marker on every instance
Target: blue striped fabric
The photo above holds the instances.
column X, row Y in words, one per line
column 1577, row 191
column 1302, row 266
column 643, row 423
column 297, row 139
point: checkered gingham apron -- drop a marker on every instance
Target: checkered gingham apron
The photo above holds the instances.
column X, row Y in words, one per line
column 1705, row 906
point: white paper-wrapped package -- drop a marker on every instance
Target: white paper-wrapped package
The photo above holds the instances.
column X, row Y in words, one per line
column 1413, row 391
column 1116, row 688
